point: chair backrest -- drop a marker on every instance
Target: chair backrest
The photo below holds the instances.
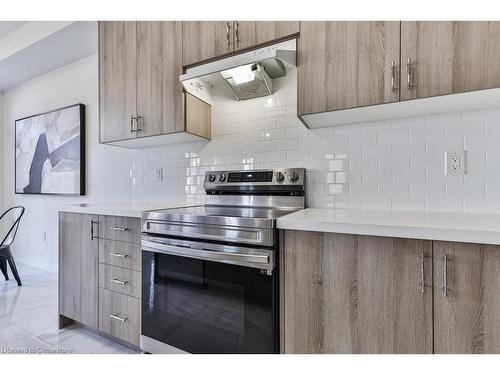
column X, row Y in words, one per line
column 9, row 222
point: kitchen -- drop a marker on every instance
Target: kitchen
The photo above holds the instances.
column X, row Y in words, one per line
column 319, row 187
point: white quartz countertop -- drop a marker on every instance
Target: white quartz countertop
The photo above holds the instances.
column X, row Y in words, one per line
column 467, row 227
column 128, row 209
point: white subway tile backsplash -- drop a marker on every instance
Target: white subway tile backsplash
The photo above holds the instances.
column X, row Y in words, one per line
column 395, row 164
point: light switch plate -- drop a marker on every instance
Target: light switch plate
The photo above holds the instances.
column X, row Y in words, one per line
column 455, row 163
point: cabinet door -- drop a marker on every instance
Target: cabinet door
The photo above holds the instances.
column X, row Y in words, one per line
column 159, row 65
column 117, row 80
column 356, row 294
column 203, row 40
column 250, row 33
column 449, row 57
column 467, row 318
column 347, row 64
column 78, row 268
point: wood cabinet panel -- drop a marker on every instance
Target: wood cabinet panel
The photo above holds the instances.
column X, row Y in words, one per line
column 117, row 79
column 346, row 64
column 356, row 294
column 449, row 57
column 127, row 309
column 251, row 33
column 203, row 40
column 467, row 319
column 198, row 117
column 78, row 268
column 159, row 65
column 118, row 228
column 120, row 254
column 120, row 280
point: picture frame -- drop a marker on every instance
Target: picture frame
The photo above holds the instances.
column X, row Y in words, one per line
column 50, row 152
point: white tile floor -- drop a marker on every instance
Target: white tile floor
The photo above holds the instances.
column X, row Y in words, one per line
column 28, row 319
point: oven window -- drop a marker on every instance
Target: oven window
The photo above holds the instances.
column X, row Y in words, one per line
column 207, row 307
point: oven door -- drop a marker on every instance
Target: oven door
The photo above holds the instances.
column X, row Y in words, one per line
column 208, row 298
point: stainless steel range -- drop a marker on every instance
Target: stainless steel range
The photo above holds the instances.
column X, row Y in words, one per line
column 210, row 273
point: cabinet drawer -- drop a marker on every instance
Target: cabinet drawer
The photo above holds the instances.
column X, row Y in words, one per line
column 120, row 254
column 126, row 229
column 120, row 280
column 120, row 316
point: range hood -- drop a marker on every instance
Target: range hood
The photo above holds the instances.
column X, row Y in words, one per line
column 249, row 74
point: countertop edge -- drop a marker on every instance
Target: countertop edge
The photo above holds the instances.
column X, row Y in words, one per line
column 435, row 234
column 135, row 212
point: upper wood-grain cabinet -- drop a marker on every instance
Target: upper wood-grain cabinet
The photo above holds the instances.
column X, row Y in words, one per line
column 441, row 58
column 117, row 79
column 140, row 92
column 204, row 40
column 356, row 294
column 347, row 64
column 466, row 298
column 159, row 65
column 78, row 267
column 251, row 33
column 139, row 68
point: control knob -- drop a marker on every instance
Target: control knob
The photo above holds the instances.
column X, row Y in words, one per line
column 280, row 177
column 222, row 177
column 211, row 177
column 293, row 177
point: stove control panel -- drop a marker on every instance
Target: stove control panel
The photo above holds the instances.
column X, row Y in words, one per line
column 250, row 179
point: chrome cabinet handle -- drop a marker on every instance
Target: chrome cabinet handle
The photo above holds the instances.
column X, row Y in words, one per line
column 132, row 127
column 422, row 272
column 118, row 281
column 445, row 276
column 120, row 229
column 410, row 76
column 237, row 33
column 228, row 30
column 394, row 77
column 122, row 319
column 118, row 255
column 92, row 234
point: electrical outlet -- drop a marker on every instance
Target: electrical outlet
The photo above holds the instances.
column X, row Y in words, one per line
column 159, row 174
column 455, row 163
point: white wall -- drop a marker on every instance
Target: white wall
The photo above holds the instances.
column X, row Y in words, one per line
column 396, row 164
column 107, row 167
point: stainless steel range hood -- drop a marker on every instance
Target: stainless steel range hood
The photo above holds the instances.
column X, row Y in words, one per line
column 249, row 74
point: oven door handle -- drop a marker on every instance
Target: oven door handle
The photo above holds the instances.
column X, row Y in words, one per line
column 256, row 260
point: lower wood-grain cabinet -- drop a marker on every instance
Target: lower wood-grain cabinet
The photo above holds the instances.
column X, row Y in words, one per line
column 356, row 294
column 100, row 274
column 466, row 298
column 361, row 294
column 78, row 267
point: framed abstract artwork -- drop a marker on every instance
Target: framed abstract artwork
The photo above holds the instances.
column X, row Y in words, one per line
column 50, row 152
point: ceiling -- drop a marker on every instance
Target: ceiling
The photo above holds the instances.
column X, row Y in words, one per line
column 65, row 45
column 7, row 26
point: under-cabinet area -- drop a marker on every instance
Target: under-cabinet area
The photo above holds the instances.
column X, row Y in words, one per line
column 346, row 293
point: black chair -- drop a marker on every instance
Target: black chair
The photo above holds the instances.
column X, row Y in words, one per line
column 10, row 222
